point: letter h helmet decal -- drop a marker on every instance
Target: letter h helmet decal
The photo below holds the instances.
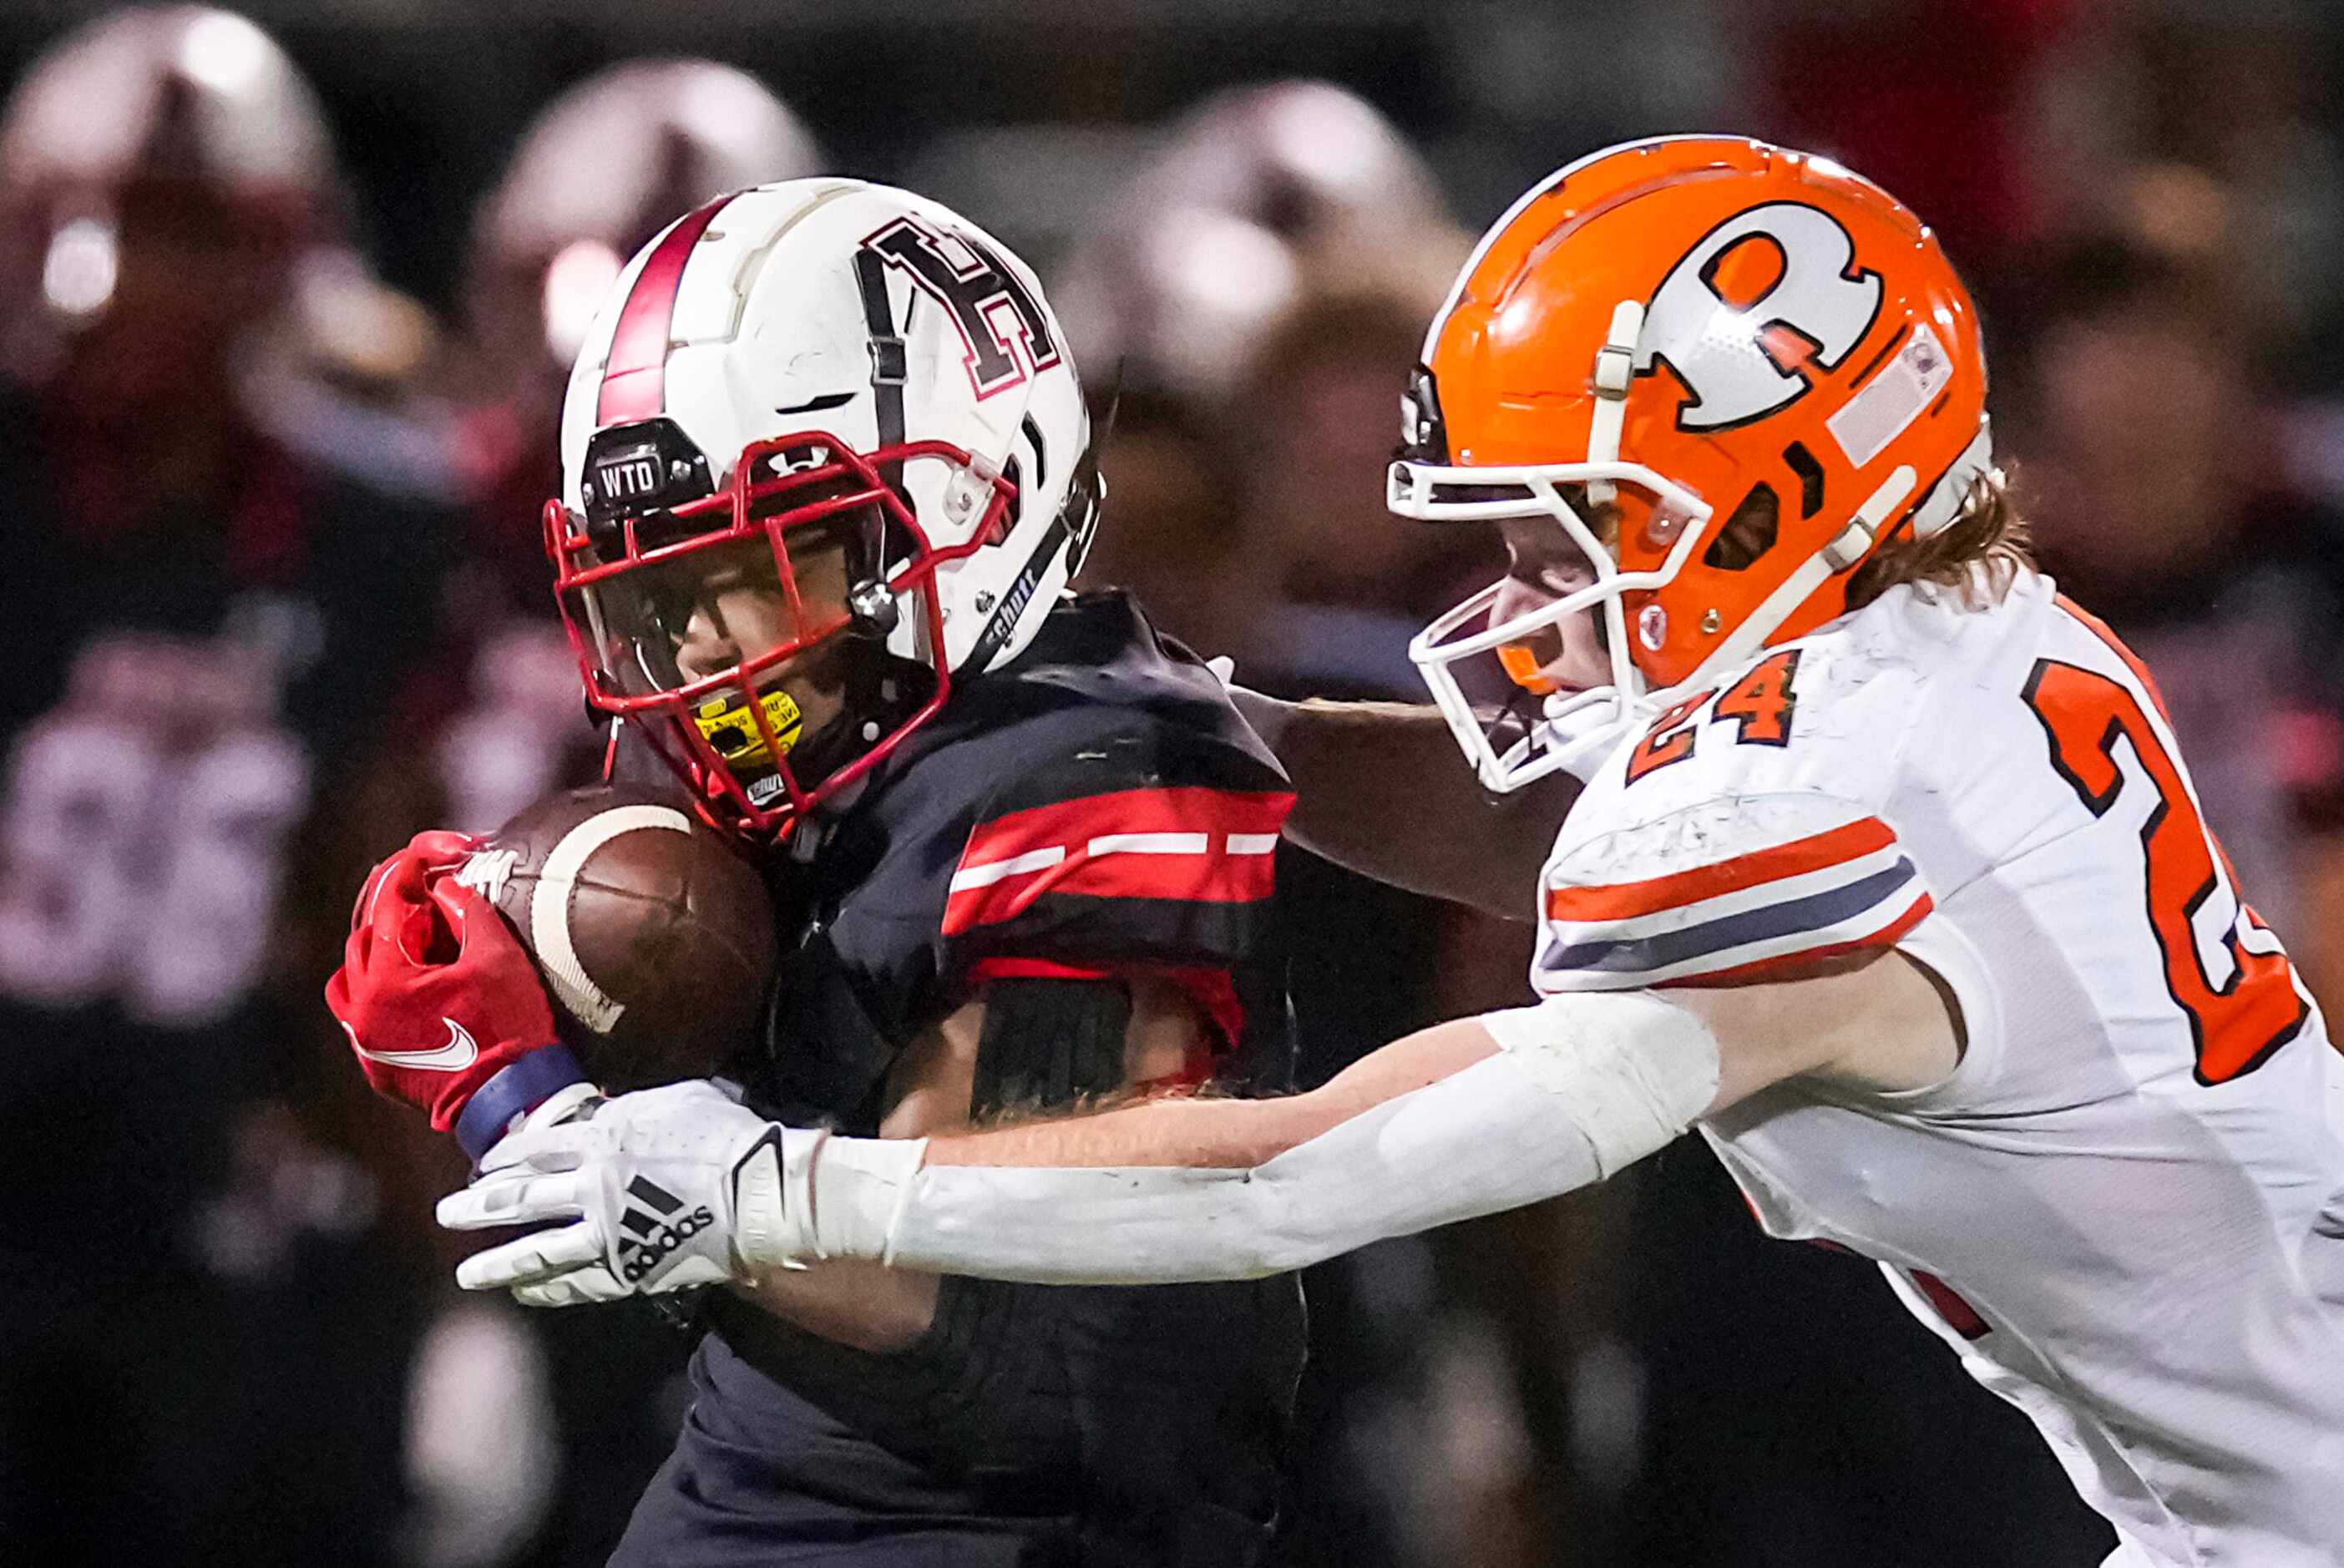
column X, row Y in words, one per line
column 989, row 303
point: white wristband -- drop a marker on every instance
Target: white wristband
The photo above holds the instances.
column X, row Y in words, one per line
column 802, row 1196
column 858, row 1187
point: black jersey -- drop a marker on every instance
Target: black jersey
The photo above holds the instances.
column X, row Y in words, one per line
column 1094, row 810
column 1097, row 806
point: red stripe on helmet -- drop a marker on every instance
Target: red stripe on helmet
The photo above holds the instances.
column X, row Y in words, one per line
column 634, row 378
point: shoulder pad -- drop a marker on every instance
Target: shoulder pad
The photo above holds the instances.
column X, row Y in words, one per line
column 1720, row 896
column 1743, row 834
column 1199, row 853
column 1826, row 715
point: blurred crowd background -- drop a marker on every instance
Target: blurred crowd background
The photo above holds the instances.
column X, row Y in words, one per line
column 286, row 299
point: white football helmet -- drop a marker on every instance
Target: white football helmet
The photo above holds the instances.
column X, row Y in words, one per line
column 598, row 171
column 830, row 352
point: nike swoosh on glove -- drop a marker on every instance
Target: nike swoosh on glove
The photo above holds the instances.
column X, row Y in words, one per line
column 670, row 1187
column 443, row 1005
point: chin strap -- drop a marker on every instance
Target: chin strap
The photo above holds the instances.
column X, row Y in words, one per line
column 1615, row 372
column 890, row 361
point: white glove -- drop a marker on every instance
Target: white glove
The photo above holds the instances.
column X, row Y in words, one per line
column 665, row 1189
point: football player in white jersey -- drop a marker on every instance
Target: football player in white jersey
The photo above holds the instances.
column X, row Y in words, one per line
column 1886, row 873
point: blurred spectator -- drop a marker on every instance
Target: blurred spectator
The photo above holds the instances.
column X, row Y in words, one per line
column 601, row 170
column 1217, row 291
column 1162, row 318
column 1260, row 203
column 1339, row 585
column 1877, row 85
column 205, row 1364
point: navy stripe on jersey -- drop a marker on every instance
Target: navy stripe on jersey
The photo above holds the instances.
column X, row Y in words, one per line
column 1813, row 912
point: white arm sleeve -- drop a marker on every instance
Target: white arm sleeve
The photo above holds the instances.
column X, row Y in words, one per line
column 1583, row 1086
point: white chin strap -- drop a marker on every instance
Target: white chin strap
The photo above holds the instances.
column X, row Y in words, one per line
column 1615, row 372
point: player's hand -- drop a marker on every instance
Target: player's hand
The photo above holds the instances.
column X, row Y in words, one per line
column 649, row 1184
column 440, row 1001
column 667, row 1188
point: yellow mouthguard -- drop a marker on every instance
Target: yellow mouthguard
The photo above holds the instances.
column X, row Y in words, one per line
column 726, row 721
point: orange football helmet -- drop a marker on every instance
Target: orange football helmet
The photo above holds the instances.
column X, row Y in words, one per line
column 1730, row 372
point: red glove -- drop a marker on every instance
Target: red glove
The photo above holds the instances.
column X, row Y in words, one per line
column 441, row 1003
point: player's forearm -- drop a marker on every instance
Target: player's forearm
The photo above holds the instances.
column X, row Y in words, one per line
column 1380, row 788
column 1434, row 1129
column 1227, row 1134
column 1548, row 1098
column 1475, row 1141
column 863, row 1305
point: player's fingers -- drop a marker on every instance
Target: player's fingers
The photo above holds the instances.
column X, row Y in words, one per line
column 362, row 910
column 357, row 949
column 554, row 1146
column 471, row 919
column 574, row 1288
column 517, row 1199
column 401, row 916
column 532, row 1259
column 397, row 887
column 440, row 848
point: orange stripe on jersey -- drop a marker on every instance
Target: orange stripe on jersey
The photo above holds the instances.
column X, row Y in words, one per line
column 1800, row 966
column 1624, row 900
column 2099, row 628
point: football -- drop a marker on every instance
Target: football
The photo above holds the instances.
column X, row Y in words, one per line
column 652, row 930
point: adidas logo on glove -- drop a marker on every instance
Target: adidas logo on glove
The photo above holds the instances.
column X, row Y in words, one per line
column 655, row 1230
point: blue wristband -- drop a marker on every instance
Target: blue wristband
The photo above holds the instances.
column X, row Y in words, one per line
column 519, row 1087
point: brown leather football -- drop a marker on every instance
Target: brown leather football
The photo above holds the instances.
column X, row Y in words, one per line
column 652, row 931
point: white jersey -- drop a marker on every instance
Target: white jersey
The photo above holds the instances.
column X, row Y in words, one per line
column 2125, row 1209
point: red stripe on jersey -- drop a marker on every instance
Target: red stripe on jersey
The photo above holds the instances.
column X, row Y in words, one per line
column 1800, row 966
column 1211, row 876
column 634, row 377
column 1624, row 900
column 1066, row 823
column 1109, row 846
column 1959, row 1315
column 998, row 968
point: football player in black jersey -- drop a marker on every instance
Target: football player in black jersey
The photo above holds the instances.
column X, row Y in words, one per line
column 827, row 472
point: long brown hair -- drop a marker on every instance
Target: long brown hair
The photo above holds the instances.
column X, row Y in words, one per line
column 1978, row 555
